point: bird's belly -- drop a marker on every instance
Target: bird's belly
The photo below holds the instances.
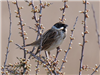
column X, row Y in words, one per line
column 54, row 45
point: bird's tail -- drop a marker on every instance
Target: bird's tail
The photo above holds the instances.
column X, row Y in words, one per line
column 28, row 45
column 31, row 44
column 36, row 43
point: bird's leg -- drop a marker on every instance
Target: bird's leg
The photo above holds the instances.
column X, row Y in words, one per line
column 49, row 55
column 46, row 54
column 57, row 53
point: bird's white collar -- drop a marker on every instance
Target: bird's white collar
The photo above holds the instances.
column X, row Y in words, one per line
column 58, row 28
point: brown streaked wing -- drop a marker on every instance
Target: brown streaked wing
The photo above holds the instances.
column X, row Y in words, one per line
column 49, row 38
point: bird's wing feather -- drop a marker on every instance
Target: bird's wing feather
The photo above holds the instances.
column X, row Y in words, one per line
column 48, row 38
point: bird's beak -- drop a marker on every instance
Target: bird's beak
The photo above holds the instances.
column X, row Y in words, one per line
column 66, row 25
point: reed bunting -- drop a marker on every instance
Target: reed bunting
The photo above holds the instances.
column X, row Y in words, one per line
column 52, row 38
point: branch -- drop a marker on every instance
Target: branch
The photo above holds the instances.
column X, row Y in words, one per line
column 85, row 32
column 34, row 12
column 18, row 9
column 96, row 25
column 9, row 36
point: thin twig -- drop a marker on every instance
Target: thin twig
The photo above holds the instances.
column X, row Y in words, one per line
column 36, row 19
column 63, row 11
column 24, row 70
column 32, row 28
column 98, row 35
column 96, row 25
column 83, row 45
column 95, row 70
column 9, row 35
column 34, row 12
column 39, row 28
column 72, row 31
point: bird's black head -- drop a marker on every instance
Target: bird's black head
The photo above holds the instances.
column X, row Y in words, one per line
column 60, row 25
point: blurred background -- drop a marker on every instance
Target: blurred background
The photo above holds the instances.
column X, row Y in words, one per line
column 50, row 15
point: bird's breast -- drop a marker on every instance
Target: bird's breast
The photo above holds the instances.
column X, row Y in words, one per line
column 58, row 41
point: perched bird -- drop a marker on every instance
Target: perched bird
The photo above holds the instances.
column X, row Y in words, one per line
column 52, row 38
